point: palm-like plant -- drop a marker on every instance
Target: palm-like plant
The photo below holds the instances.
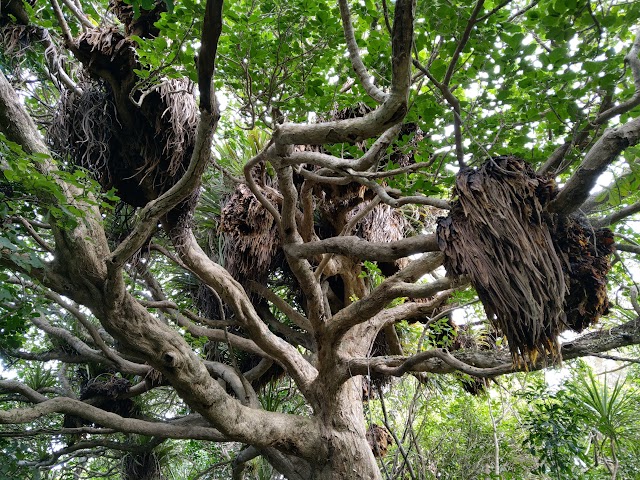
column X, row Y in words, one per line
column 609, row 410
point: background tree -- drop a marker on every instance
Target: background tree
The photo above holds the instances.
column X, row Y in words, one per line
column 249, row 273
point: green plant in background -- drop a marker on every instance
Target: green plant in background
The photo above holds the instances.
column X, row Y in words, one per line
column 555, row 436
column 585, row 429
column 609, row 411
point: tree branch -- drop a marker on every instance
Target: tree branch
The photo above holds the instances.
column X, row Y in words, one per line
column 111, row 356
column 218, row 335
column 78, row 14
column 201, row 157
column 487, row 363
column 366, row 80
column 606, row 149
column 352, row 246
column 625, row 247
column 66, row 32
column 336, row 164
column 301, row 268
column 39, row 240
column 211, row 30
column 86, row 446
column 607, row 112
column 80, row 409
column 493, row 10
column 616, row 216
column 411, row 310
column 293, row 315
column 15, row 123
column 426, row 290
column 377, row 122
column 57, row 431
column 462, row 43
column 453, row 101
column 234, row 295
column 365, row 308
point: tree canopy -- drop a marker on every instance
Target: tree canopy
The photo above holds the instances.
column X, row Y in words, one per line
column 236, row 226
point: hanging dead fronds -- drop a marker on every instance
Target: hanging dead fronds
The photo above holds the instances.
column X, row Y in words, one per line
column 16, row 39
column 251, row 239
column 474, row 385
column 383, row 224
column 379, row 440
column 108, row 47
column 181, row 115
column 496, row 234
column 585, row 254
column 82, row 129
column 140, row 149
column 358, row 110
column 142, row 466
column 527, row 266
column 106, row 392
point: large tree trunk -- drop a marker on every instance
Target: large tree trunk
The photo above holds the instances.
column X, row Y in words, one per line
column 350, row 456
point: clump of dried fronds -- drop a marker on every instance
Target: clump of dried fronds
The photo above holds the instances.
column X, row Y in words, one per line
column 82, row 129
column 140, row 149
column 536, row 274
column 496, row 233
column 585, row 256
column 108, row 45
column 382, row 224
column 106, row 391
column 142, row 465
column 17, row 39
column 379, row 440
column 251, row 239
column 181, row 115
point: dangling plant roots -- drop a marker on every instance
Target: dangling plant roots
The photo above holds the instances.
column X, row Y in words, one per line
column 536, row 273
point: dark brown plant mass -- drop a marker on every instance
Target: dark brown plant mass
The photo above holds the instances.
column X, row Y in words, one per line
column 251, row 242
column 134, row 136
column 537, row 274
column 379, row 440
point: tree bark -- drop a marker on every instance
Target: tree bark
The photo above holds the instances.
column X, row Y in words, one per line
column 350, row 455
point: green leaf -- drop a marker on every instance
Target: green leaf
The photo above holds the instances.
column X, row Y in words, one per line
column 5, row 243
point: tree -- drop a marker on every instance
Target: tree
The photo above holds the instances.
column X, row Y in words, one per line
column 142, row 260
column 581, row 431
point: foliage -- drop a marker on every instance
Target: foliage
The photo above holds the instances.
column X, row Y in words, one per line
column 583, row 429
column 529, row 80
column 555, row 434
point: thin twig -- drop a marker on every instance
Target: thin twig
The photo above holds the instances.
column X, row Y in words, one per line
column 66, row 32
column 366, row 79
column 79, row 14
column 617, row 358
column 39, row 240
column 462, row 43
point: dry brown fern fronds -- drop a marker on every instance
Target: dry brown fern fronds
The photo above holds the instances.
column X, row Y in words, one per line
column 496, row 234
